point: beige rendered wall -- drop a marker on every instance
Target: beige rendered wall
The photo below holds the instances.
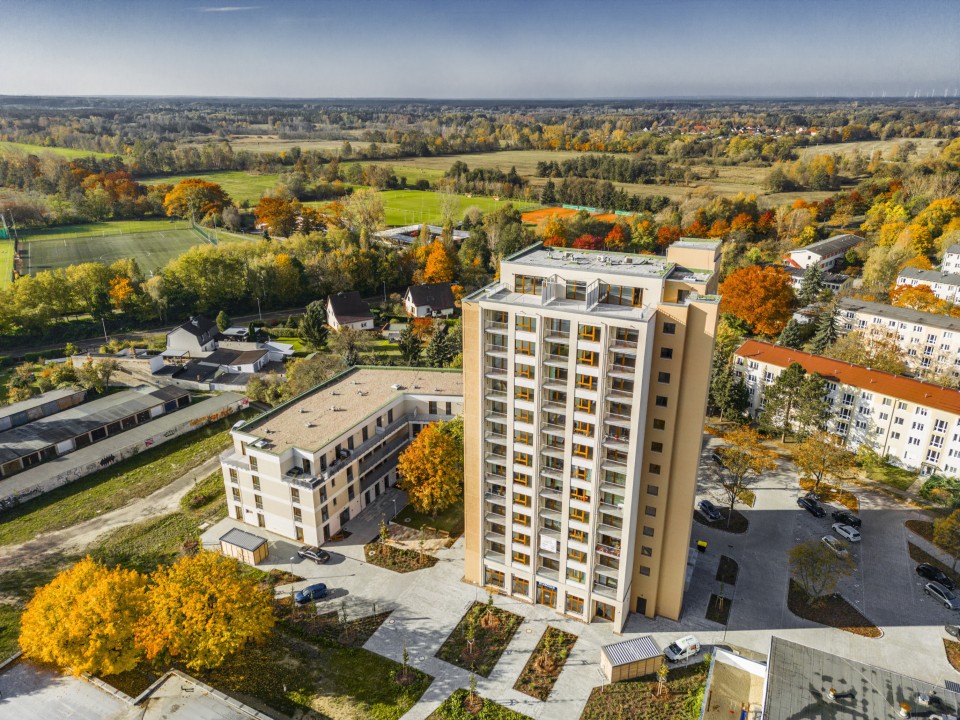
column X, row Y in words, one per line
column 473, row 442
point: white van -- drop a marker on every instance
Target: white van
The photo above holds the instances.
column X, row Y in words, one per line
column 685, row 647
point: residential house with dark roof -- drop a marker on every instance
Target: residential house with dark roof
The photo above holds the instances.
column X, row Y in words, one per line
column 196, row 336
column 348, row 310
column 915, row 424
column 825, row 252
column 432, row 299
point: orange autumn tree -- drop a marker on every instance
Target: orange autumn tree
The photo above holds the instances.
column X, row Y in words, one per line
column 439, row 266
column 554, row 231
column 431, row 468
column 918, row 297
column 121, row 290
column 84, row 619
column 279, row 215
column 203, row 609
column 195, row 198
column 615, row 241
column 761, row 297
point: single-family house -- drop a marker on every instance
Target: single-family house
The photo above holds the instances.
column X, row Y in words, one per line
column 348, row 310
column 196, row 336
column 432, row 299
column 825, row 252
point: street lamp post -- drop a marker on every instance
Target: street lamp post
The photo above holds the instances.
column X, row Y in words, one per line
column 394, row 508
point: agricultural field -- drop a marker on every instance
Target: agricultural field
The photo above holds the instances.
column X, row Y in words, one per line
column 925, row 147
column 239, row 185
column 153, row 243
column 274, row 144
column 68, row 153
column 6, row 262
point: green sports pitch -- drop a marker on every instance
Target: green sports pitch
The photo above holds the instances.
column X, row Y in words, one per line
column 153, row 247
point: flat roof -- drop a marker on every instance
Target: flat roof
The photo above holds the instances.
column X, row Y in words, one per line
column 628, row 651
column 626, row 264
column 799, row 679
column 899, row 313
column 242, row 539
column 43, row 432
column 858, row 376
column 310, row 422
column 696, row 243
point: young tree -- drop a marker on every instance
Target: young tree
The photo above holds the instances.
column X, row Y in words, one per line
column 792, row 335
column 203, row 609
column 96, row 375
column 313, row 325
column 223, row 320
column 794, row 399
column 84, row 619
column 826, row 332
column 878, row 349
column 811, row 285
column 818, row 569
column 760, row 297
column 946, row 534
column 410, row 346
column 431, row 467
column 663, row 672
column 822, row 457
column 347, row 344
column 744, row 460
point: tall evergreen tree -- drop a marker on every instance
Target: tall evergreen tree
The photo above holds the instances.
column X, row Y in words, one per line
column 792, row 335
column 548, row 195
column 729, row 396
column 813, row 407
column 313, row 325
column 409, row 345
column 826, row 333
column 438, row 351
column 795, row 401
column 811, row 285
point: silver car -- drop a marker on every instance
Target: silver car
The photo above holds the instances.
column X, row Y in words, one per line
column 944, row 596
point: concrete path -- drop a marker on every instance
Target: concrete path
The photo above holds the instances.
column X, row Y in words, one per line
column 77, row 538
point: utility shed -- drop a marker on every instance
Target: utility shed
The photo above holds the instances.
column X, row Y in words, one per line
column 630, row 659
column 244, row 546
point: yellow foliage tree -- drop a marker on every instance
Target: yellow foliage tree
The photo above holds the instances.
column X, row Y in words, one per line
column 439, row 265
column 822, row 457
column 84, row 619
column 744, row 460
column 201, row 610
column 121, row 290
column 431, row 467
column 195, row 199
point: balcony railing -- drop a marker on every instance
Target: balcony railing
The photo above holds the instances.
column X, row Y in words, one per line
column 496, row 498
column 493, row 556
column 561, row 360
column 493, row 326
column 548, row 574
column 608, row 550
column 551, row 472
column 605, row 590
column 551, row 492
column 618, row 344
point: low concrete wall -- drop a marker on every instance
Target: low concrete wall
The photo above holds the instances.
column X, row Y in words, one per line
column 73, row 466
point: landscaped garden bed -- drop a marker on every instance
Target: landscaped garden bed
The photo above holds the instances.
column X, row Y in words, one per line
column 682, row 697
column 830, row 494
column 952, row 648
column 396, row 559
column 449, row 521
column 463, row 705
column 545, row 664
column 718, row 610
column 738, row 523
column 923, row 528
column 832, row 611
column 728, row 570
column 479, row 639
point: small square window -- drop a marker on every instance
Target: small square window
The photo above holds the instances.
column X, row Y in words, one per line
column 653, row 489
column 648, row 531
column 663, row 377
column 666, row 353
column 661, row 401
column 659, row 424
column 644, row 570
column 646, row 551
column 656, row 447
column 650, row 510
column 669, row 328
column 654, row 469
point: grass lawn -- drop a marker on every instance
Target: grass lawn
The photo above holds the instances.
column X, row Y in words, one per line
column 396, row 559
column 408, row 207
column 297, row 343
column 638, row 698
column 239, row 185
column 9, row 630
column 493, row 629
column 546, row 663
column 68, row 153
column 6, row 262
column 107, row 227
column 449, row 521
column 115, row 486
column 889, row 475
column 452, row 709
column 832, row 611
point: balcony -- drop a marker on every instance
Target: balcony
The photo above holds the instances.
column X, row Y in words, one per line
column 549, row 513
column 617, row 419
column 614, row 465
column 615, row 510
column 622, row 371
column 495, row 517
column 617, row 442
column 620, row 394
column 551, row 472
column 614, row 531
column 495, row 498
column 494, row 556
column 619, row 345
column 556, row 360
column 552, row 493
column 557, row 336
column 605, row 590
column 495, row 372
column 607, row 571
column 498, row 395
column 231, row 458
column 550, row 533
column 555, row 384
column 554, row 452
column 554, row 428
column 495, row 437
column 496, row 458
column 548, row 574
column 494, row 327
column 555, row 404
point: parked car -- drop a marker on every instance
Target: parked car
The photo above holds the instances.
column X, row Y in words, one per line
column 952, row 630
column 845, row 531
column 314, row 553
column 709, row 510
column 941, row 594
column 310, row 593
column 811, row 506
column 930, row 572
column 835, row 545
column 681, row 649
column 847, row 518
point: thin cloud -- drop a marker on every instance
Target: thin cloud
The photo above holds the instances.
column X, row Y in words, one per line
column 229, row 8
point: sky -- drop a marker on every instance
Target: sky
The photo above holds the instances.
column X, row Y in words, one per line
column 480, row 48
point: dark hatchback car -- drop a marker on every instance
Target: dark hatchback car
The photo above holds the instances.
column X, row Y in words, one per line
column 811, row 506
column 311, row 592
column 314, row 553
column 929, row 572
column 709, row 510
column 847, row 518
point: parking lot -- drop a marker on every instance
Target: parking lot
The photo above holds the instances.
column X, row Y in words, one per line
column 884, row 586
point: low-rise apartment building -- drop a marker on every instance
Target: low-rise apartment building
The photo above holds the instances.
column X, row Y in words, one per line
column 951, row 259
column 586, row 380
column 945, row 285
column 825, row 253
column 306, row 467
column 915, row 424
column 929, row 343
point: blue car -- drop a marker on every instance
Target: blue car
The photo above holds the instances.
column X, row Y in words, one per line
column 310, row 593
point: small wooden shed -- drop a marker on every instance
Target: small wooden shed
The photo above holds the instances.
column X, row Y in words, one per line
column 630, row 659
column 246, row 547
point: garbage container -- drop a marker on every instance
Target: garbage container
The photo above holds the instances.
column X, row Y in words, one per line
column 701, row 545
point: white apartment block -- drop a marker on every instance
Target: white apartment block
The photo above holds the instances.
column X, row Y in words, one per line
column 951, row 260
column 308, row 466
column 913, row 423
column 929, row 343
column 585, row 380
column 825, row 253
column 945, row 285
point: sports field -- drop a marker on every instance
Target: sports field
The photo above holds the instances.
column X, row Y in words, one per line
column 153, row 243
column 6, row 262
column 239, row 185
column 69, row 153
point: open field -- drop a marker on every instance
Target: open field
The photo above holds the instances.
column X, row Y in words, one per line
column 69, row 153
column 111, row 227
column 6, row 262
column 406, row 207
column 925, row 147
column 239, row 185
column 273, row 144
column 152, row 244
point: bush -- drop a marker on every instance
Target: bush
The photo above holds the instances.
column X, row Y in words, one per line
column 941, row 490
